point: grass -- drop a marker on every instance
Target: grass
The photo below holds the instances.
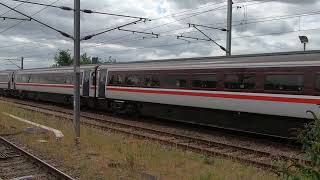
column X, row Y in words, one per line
column 105, row 155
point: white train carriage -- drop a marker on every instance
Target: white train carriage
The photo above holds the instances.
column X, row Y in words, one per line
column 53, row 84
column 250, row 93
column 5, row 82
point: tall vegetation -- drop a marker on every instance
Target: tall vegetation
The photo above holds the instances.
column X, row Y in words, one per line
column 64, row 58
column 310, row 140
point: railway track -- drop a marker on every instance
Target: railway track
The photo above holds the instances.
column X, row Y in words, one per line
column 207, row 146
column 16, row 163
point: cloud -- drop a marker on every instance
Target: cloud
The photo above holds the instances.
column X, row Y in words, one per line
column 39, row 44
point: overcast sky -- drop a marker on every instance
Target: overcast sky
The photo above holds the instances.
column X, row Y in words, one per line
column 260, row 26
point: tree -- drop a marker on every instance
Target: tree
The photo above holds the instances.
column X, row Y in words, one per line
column 63, row 58
column 85, row 59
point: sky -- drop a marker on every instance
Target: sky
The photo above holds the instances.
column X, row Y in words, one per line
column 260, row 26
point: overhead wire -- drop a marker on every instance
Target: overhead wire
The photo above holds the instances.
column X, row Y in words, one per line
column 193, row 15
column 236, row 37
column 14, row 18
column 249, row 21
column 239, row 24
column 13, row 7
column 164, row 24
column 174, row 15
column 87, row 11
column 17, row 24
column 40, row 22
column 251, row 36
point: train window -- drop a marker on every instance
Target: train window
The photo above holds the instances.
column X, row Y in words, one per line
column 4, row 78
column 205, row 81
column 23, row 78
column 177, row 81
column 132, row 80
column 239, row 81
column 119, row 79
column 284, row 82
column 69, row 78
column 152, row 80
column 318, row 82
column 34, row 78
column 93, row 79
column 53, row 78
column 18, row 78
column 111, row 80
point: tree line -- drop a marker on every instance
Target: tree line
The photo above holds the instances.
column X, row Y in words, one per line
column 64, row 58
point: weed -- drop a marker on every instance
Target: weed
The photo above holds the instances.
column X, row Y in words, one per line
column 310, row 140
column 206, row 176
column 208, row 160
column 105, row 155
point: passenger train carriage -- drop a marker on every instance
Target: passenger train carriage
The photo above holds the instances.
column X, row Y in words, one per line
column 265, row 94
column 5, row 81
column 53, row 84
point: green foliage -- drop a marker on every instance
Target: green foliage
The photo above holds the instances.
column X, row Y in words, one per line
column 130, row 160
column 310, row 140
column 64, row 58
column 208, row 160
column 85, row 59
column 207, row 176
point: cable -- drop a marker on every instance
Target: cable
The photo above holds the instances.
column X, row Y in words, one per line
column 175, row 14
column 87, row 11
column 276, row 18
column 193, row 15
column 237, row 37
column 15, row 25
column 195, row 42
column 312, row 13
column 14, row 18
column 46, row 25
column 273, row 18
column 221, row 47
column 112, row 29
column 13, row 8
column 46, row 5
column 166, row 23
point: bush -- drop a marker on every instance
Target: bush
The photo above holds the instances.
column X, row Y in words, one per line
column 310, row 140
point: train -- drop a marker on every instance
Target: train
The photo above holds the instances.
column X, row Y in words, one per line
column 267, row 94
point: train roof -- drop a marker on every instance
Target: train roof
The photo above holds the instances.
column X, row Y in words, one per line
column 287, row 59
column 6, row 72
column 298, row 58
column 53, row 69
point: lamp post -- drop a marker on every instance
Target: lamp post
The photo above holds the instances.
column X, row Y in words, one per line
column 304, row 40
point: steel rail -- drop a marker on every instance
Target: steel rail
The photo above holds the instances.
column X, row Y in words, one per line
column 52, row 170
column 205, row 146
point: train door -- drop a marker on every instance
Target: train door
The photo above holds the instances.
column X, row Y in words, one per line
column 86, row 83
column 10, row 80
column 13, row 81
column 102, row 83
column 93, row 83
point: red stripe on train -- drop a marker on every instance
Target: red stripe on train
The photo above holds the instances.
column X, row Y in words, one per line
column 214, row 95
column 46, row 85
